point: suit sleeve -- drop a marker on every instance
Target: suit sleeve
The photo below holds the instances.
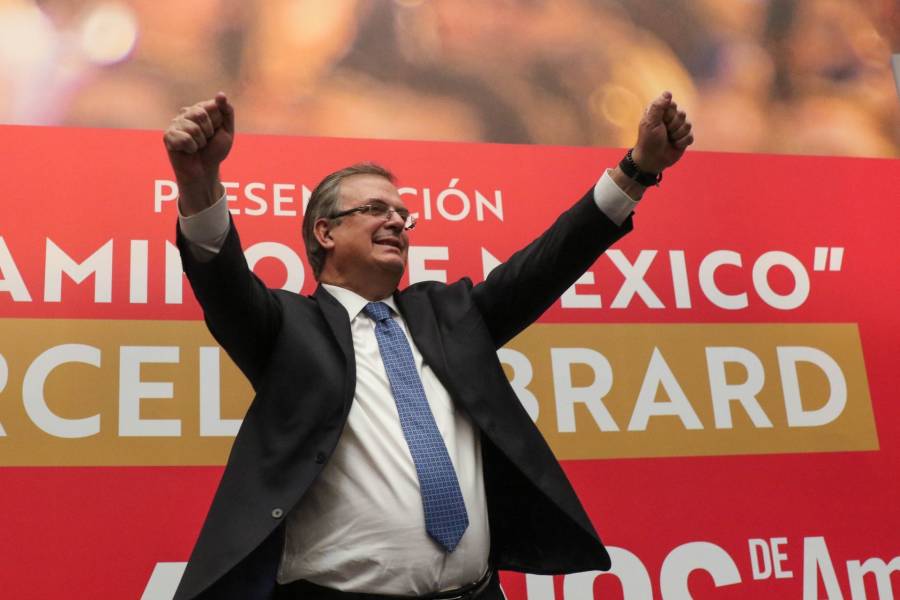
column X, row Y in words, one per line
column 241, row 312
column 517, row 292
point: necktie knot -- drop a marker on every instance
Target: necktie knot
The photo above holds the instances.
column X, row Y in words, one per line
column 378, row 310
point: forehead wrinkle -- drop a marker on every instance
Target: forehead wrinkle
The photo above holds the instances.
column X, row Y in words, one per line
column 376, row 189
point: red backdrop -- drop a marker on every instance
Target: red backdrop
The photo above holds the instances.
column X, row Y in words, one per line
column 807, row 257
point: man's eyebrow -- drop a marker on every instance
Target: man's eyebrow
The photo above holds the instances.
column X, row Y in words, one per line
column 387, row 203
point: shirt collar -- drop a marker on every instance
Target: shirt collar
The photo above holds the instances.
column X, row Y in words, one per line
column 353, row 302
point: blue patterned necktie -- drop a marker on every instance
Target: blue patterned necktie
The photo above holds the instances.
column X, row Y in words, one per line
column 445, row 512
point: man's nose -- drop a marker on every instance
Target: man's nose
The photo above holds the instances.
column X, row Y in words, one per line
column 395, row 221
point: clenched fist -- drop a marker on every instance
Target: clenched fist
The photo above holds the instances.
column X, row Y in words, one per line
column 663, row 135
column 197, row 141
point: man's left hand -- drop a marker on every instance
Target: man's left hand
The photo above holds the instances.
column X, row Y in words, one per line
column 663, row 135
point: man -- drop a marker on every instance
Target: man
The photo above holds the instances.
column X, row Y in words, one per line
column 385, row 454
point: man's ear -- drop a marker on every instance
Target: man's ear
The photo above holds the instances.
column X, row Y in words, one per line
column 322, row 231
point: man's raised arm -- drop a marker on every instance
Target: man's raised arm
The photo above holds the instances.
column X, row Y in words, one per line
column 517, row 292
column 241, row 312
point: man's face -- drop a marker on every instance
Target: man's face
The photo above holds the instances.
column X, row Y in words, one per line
column 364, row 245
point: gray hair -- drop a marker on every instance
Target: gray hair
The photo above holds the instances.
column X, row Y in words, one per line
column 325, row 201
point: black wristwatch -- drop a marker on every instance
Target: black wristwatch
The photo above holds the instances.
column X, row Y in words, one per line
column 630, row 168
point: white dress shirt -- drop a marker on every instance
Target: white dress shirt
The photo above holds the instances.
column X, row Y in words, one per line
column 361, row 526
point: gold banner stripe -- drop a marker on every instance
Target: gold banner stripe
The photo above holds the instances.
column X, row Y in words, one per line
column 668, row 381
column 108, row 392
column 136, row 358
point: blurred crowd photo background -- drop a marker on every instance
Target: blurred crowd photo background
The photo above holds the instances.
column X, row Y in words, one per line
column 772, row 76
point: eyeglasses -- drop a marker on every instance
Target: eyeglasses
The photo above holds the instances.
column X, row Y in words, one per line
column 380, row 210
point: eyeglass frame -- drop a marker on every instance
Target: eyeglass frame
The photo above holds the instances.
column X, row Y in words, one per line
column 409, row 222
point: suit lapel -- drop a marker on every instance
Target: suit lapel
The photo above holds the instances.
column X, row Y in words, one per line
column 423, row 327
column 418, row 312
column 338, row 320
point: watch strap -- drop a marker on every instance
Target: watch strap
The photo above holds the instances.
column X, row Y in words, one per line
column 630, row 168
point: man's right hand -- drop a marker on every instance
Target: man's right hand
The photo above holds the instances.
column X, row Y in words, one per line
column 197, row 141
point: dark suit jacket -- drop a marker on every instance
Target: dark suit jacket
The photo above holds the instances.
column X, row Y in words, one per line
column 298, row 355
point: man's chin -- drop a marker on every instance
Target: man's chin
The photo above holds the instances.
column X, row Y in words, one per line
column 393, row 265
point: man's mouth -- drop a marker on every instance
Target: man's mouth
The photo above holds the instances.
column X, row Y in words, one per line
column 392, row 242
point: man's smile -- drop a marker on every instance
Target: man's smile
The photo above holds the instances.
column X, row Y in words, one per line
column 391, row 242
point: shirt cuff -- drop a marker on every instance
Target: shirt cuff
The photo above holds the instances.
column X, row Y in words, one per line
column 611, row 200
column 208, row 228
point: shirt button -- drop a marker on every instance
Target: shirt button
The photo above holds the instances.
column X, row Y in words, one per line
column 321, row 457
column 277, row 513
